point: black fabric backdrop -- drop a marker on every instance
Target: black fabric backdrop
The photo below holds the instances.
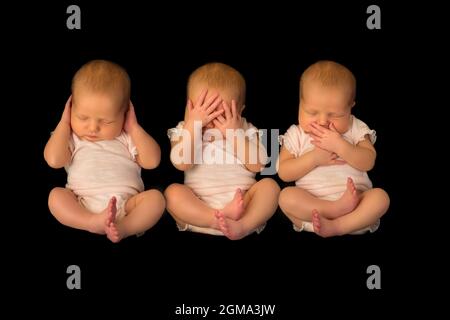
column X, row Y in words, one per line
column 160, row 45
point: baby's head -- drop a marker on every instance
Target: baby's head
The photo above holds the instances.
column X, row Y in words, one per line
column 327, row 95
column 100, row 99
column 217, row 78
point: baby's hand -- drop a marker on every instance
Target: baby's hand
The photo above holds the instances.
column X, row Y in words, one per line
column 130, row 122
column 65, row 118
column 328, row 139
column 203, row 111
column 232, row 119
column 325, row 158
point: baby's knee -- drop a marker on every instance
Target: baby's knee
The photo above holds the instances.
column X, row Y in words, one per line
column 55, row 194
column 270, row 184
column 156, row 197
column 382, row 196
column 286, row 199
column 173, row 190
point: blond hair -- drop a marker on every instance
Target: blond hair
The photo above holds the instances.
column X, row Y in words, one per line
column 219, row 76
column 102, row 76
column 330, row 73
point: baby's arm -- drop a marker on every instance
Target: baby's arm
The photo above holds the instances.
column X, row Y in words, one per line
column 57, row 152
column 361, row 156
column 251, row 146
column 149, row 152
column 291, row 168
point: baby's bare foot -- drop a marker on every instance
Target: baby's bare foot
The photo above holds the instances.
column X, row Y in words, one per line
column 113, row 233
column 111, row 211
column 231, row 229
column 215, row 224
column 322, row 226
column 99, row 221
column 235, row 208
column 111, row 229
column 347, row 203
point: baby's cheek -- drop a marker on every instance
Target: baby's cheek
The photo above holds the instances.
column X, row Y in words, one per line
column 305, row 126
column 340, row 127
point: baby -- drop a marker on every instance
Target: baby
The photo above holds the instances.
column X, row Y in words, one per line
column 327, row 155
column 102, row 147
column 220, row 153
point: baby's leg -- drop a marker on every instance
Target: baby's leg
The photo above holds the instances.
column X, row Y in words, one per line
column 260, row 202
column 143, row 211
column 300, row 203
column 64, row 206
column 185, row 206
column 289, row 205
column 374, row 204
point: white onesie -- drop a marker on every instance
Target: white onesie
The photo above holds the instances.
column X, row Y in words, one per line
column 329, row 182
column 102, row 169
column 216, row 183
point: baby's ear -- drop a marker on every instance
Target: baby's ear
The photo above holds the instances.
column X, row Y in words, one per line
column 352, row 104
column 243, row 107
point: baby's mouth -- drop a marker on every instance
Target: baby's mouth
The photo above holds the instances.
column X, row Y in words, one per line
column 91, row 137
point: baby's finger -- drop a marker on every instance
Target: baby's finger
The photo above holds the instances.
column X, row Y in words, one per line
column 227, row 110
column 214, row 115
column 69, row 102
column 221, row 119
column 340, row 162
column 315, row 131
column 213, row 106
column 315, row 137
column 332, row 127
column 318, row 126
column 190, row 106
column 210, row 100
column 233, row 109
column 131, row 110
column 201, row 98
column 67, row 109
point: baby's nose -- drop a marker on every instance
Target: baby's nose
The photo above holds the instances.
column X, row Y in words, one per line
column 93, row 127
column 323, row 121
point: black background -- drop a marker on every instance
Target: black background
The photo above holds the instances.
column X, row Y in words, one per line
column 160, row 45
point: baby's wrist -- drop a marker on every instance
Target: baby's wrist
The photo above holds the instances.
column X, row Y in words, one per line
column 194, row 125
column 340, row 147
